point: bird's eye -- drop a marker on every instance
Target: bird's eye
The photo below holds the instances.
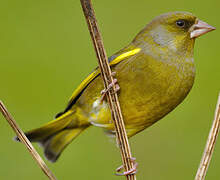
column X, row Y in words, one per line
column 180, row 23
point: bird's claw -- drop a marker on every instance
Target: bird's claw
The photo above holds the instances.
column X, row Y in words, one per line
column 129, row 172
column 117, row 87
column 104, row 91
column 113, row 74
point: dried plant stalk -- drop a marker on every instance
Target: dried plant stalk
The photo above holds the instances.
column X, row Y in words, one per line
column 26, row 142
column 210, row 144
column 112, row 97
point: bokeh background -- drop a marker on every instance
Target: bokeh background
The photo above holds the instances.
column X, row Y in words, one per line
column 46, row 51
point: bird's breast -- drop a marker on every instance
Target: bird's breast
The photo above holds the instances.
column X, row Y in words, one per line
column 152, row 89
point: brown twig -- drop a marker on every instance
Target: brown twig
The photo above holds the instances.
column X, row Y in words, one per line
column 112, row 97
column 26, row 142
column 210, row 144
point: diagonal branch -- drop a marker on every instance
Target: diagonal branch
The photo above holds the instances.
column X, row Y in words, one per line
column 112, row 97
column 26, row 142
column 210, row 144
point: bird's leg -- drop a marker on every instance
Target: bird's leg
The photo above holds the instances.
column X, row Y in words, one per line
column 117, row 87
column 129, row 172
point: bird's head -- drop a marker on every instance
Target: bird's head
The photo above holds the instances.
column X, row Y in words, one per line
column 174, row 30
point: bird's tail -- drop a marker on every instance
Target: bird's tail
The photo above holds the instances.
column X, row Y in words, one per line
column 56, row 135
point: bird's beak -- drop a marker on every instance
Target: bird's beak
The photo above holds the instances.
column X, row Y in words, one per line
column 200, row 28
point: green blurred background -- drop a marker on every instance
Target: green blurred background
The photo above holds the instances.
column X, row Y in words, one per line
column 46, row 51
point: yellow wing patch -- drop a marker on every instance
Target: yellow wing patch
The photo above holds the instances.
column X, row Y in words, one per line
column 84, row 83
column 124, row 55
column 94, row 74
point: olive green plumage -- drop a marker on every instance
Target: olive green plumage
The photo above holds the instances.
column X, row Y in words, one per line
column 155, row 73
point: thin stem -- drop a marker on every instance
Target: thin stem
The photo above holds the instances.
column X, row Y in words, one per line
column 210, row 144
column 26, row 142
column 112, row 97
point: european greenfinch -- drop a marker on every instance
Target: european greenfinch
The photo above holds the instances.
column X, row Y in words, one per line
column 155, row 73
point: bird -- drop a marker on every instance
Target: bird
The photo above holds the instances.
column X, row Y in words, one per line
column 155, row 73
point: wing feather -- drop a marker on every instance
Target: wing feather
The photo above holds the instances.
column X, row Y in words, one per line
column 113, row 60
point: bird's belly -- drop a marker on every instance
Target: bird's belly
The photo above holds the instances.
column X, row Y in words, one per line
column 145, row 111
column 142, row 109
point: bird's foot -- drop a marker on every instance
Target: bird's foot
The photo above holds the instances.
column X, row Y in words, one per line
column 117, row 87
column 129, row 172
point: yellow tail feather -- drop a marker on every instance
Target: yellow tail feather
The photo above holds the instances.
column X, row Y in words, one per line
column 50, row 128
column 57, row 134
column 54, row 145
